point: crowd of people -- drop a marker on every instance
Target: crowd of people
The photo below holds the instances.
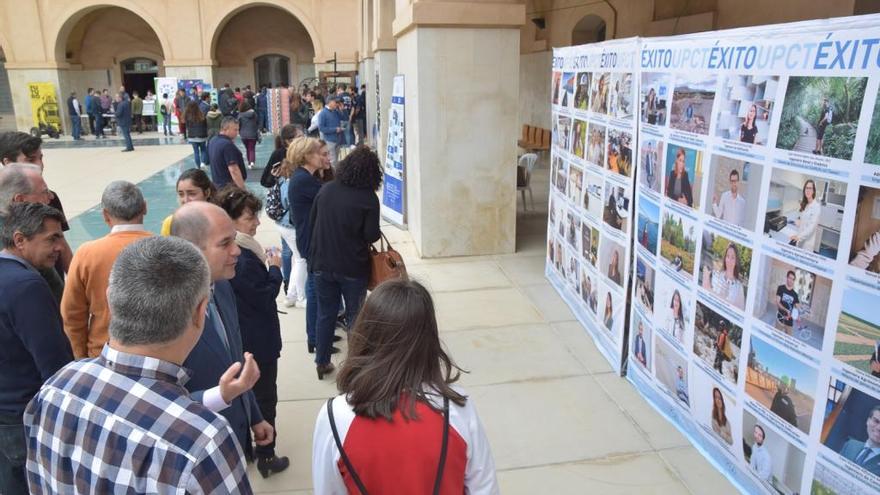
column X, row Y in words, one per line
column 149, row 364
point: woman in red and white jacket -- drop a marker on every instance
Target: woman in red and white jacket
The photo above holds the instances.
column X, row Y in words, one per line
column 401, row 425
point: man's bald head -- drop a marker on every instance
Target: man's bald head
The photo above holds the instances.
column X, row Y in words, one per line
column 209, row 227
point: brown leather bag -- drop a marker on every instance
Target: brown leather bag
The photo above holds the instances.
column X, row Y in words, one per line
column 385, row 263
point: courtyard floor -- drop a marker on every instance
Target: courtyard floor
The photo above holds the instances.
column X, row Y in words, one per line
column 558, row 419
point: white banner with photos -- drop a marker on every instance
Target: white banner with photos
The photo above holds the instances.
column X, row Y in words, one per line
column 591, row 174
column 756, row 268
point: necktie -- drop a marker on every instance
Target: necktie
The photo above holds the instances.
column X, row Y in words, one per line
column 217, row 323
column 863, row 456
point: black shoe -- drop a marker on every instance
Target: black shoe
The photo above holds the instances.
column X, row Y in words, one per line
column 267, row 466
column 333, row 349
column 336, row 338
column 325, row 369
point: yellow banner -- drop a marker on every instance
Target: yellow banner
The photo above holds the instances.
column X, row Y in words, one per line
column 44, row 104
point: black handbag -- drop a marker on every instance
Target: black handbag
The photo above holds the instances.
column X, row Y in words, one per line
column 354, row 476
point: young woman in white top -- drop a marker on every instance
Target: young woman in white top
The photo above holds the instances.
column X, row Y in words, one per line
column 807, row 223
column 725, row 283
column 675, row 317
column 318, row 107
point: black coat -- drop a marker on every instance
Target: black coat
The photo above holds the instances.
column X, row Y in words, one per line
column 123, row 113
column 255, row 290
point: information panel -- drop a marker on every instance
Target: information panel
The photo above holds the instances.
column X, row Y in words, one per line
column 592, row 165
column 755, row 315
column 393, row 185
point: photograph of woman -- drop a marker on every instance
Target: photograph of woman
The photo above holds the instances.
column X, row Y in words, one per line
column 614, row 267
column 675, row 318
column 650, row 107
column 608, row 319
column 749, row 130
column 724, row 281
column 808, row 221
column 678, row 184
column 720, row 424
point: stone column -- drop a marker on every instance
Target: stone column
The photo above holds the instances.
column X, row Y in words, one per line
column 200, row 69
column 20, row 75
column 385, row 62
column 461, row 64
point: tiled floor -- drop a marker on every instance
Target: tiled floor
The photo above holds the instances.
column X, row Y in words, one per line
column 558, row 419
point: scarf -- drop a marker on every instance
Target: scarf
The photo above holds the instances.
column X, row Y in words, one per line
column 246, row 241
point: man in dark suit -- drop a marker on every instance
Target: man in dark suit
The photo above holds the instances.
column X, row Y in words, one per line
column 218, row 354
column 866, row 454
column 123, row 119
column 74, row 110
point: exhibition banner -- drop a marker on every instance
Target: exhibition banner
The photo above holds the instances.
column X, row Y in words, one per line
column 756, row 267
column 592, row 165
column 394, row 183
column 166, row 86
column 44, row 104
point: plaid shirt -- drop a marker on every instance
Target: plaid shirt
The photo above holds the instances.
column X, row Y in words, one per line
column 123, row 423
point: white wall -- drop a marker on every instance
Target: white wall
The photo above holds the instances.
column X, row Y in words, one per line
column 534, row 89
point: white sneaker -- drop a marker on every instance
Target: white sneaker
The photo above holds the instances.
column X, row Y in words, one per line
column 250, row 166
column 301, row 303
column 204, row 166
column 289, row 303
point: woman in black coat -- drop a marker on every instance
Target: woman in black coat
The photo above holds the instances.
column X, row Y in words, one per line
column 256, row 288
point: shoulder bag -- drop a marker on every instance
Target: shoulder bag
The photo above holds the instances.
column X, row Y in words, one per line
column 385, row 263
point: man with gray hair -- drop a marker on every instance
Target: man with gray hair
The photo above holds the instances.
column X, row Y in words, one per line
column 143, row 432
column 227, row 162
column 84, row 305
column 23, row 183
column 32, row 341
column 209, row 227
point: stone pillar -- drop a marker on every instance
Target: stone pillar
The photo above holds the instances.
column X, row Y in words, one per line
column 386, row 67
column 368, row 77
column 20, row 75
column 203, row 70
column 461, row 64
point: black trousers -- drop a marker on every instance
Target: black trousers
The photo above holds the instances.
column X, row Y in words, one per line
column 266, row 393
column 13, row 455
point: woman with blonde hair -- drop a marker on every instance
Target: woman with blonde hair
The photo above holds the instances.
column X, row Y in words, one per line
column 317, row 106
column 305, row 166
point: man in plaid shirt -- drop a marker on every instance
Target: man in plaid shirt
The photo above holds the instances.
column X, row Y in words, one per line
column 123, row 422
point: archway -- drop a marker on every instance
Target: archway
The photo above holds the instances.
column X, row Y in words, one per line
column 282, row 49
column 109, row 46
column 590, row 29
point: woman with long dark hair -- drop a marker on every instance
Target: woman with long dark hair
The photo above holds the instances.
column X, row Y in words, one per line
column 192, row 185
column 675, row 318
column 720, row 425
column 197, row 133
column 807, row 223
column 396, row 390
column 749, row 130
column 256, row 283
column 345, row 222
column 725, row 283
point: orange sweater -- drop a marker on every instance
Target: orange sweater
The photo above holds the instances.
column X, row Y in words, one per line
column 84, row 305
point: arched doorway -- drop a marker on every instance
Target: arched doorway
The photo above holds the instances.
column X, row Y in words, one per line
column 108, row 47
column 590, row 29
column 245, row 55
column 138, row 74
column 271, row 70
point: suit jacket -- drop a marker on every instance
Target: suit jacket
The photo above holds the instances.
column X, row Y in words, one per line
column 255, row 290
column 209, row 359
column 851, row 450
column 123, row 113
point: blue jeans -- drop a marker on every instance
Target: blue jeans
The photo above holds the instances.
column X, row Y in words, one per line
column 13, row 455
column 77, row 126
column 126, row 134
column 166, row 125
column 286, row 256
column 328, row 287
column 311, row 310
column 200, row 152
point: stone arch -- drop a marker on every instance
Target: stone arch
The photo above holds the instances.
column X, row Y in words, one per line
column 590, row 28
column 76, row 11
column 217, row 25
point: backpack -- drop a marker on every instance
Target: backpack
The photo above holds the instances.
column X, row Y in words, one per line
column 274, row 207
